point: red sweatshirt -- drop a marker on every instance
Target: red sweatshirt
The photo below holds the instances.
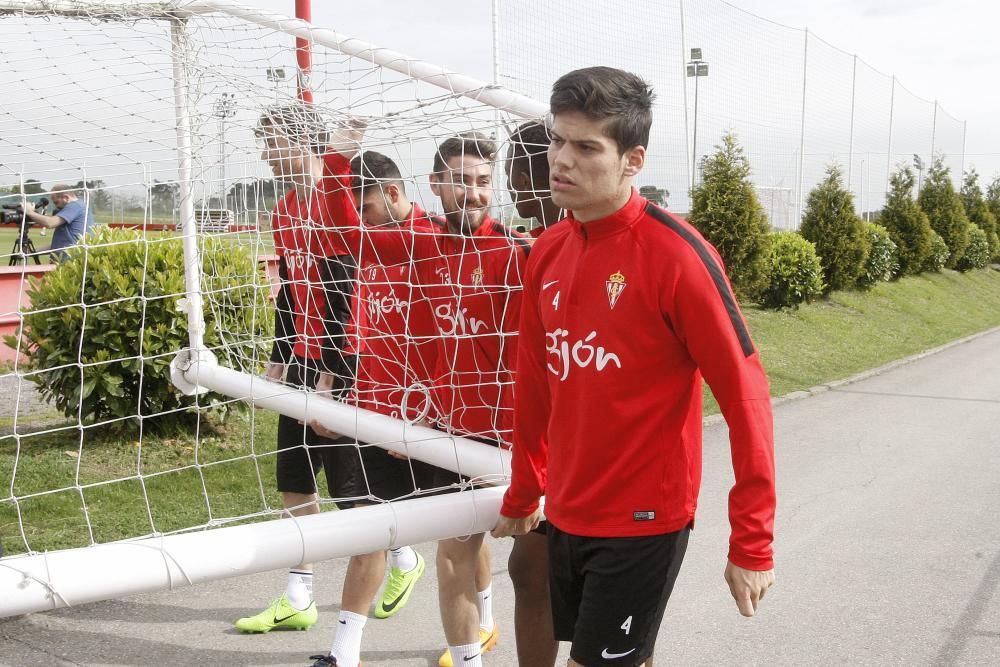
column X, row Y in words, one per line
column 472, row 286
column 313, row 304
column 621, row 318
column 396, row 332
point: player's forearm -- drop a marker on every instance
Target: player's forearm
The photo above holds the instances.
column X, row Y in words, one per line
column 284, row 324
column 752, row 500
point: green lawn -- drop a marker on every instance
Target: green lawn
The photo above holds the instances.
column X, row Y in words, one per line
column 817, row 343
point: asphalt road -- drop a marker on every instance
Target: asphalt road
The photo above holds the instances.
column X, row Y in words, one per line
column 888, row 552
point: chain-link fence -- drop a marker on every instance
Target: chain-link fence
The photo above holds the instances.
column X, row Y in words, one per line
column 797, row 103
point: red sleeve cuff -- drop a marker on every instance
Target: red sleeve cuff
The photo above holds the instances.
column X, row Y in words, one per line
column 513, row 510
column 755, row 563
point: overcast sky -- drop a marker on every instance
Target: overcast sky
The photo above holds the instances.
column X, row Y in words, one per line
column 939, row 49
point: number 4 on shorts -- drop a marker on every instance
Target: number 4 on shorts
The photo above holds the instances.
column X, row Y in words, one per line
column 627, row 625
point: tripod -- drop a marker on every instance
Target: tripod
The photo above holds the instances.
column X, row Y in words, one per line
column 23, row 248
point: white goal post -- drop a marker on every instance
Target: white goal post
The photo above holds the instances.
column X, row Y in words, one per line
column 40, row 581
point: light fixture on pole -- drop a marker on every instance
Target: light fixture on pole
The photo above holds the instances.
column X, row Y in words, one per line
column 697, row 68
column 225, row 107
column 276, row 75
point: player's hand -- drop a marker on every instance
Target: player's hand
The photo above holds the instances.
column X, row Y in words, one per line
column 748, row 586
column 324, row 384
column 346, row 138
column 275, row 371
column 323, row 431
column 508, row 527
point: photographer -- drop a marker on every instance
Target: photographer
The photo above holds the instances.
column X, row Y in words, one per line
column 72, row 219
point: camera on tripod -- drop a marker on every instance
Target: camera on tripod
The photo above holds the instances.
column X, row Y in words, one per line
column 13, row 214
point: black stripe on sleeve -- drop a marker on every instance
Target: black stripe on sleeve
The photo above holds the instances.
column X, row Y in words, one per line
column 516, row 239
column 718, row 277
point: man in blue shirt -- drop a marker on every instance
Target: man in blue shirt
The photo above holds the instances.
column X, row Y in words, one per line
column 72, row 219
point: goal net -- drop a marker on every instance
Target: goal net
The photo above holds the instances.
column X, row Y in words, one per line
column 133, row 353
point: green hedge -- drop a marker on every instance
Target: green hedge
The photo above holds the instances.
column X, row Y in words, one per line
column 796, row 275
column 977, row 253
column 106, row 323
column 882, row 263
column 939, row 253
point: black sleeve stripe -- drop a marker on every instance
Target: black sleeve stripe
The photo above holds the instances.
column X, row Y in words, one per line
column 519, row 240
column 714, row 270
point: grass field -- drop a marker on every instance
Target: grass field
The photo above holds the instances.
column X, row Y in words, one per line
column 817, row 343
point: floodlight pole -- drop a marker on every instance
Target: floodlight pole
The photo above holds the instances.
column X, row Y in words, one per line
column 697, row 68
column 276, row 75
column 225, row 107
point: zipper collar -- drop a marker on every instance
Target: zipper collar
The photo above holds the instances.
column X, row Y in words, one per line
column 617, row 222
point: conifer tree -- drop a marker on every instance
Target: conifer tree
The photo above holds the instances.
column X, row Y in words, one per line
column 944, row 209
column 831, row 223
column 725, row 209
column 906, row 223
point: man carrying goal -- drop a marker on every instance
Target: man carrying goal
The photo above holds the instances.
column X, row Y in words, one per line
column 469, row 271
column 396, row 348
column 626, row 307
column 317, row 276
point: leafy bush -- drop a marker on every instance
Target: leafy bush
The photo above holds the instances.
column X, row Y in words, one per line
column 725, row 209
column 906, row 223
column 883, row 262
column 830, row 222
column 938, row 256
column 106, row 323
column 977, row 253
column 943, row 207
column 795, row 271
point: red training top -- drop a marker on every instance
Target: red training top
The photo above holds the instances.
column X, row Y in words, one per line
column 472, row 285
column 621, row 317
column 315, row 292
column 397, row 347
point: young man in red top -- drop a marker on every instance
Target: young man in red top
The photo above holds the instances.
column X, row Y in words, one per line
column 469, row 272
column 626, row 307
column 395, row 349
column 313, row 308
column 528, row 565
column 317, row 280
column 528, row 176
column 477, row 303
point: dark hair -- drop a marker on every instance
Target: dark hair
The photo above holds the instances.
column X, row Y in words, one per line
column 373, row 170
column 531, row 141
column 300, row 123
column 467, row 143
column 621, row 98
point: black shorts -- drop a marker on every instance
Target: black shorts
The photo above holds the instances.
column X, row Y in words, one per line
column 609, row 593
column 302, row 453
column 384, row 477
column 447, row 478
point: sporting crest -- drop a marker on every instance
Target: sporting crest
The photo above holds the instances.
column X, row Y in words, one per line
column 615, row 285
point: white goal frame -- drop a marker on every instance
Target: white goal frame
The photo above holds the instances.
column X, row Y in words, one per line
column 52, row 580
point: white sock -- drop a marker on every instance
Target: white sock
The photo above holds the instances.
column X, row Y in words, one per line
column 300, row 588
column 484, row 598
column 347, row 639
column 404, row 558
column 468, row 655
